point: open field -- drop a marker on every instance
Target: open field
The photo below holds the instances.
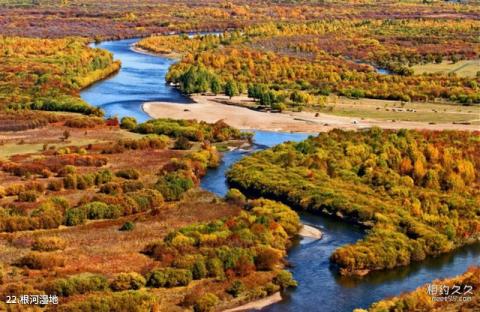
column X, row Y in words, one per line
column 346, row 114
column 403, row 111
column 465, row 68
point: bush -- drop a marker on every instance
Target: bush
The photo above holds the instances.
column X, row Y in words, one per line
column 70, row 181
column 128, row 123
column 284, row 279
column 40, row 261
column 103, row 176
column 68, row 169
column 169, row 277
column 84, row 122
column 28, row 196
column 132, row 186
column 75, row 216
column 131, row 301
column 49, row 244
column 98, row 210
column 199, row 270
column 182, row 143
column 271, row 288
column 173, row 185
column 127, row 226
column 55, row 185
column 85, row 181
column 130, row 174
column 206, row 303
column 127, row 281
column 78, row 284
column 236, row 288
column 236, row 197
column 267, row 258
column 215, row 268
column 111, row 188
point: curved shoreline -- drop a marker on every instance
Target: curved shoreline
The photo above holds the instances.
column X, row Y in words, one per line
column 308, row 231
column 257, row 304
column 212, row 108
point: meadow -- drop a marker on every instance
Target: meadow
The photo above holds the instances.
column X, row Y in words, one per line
column 82, row 219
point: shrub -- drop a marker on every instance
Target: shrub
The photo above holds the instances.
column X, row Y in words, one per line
column 206, row 303
column 146, row 199
column 236, row 288
column 84, row 122
column 78, row 284
column 127, row 281
column 267, row 258
column 271, row 288
column 70, row 181
column 111, row 188
column 173, row 185
column 236, row 197
column 169, row 277
column 98, row 210
column 85, row 181
column 55, row 185
column 199, row 269
column 182, row 143
column 49, row 244
column 40, row 261
column 130, row 174
column 284, row 279
column 132, row 186
column 75, row 216
column 131, row 301
column 103, row 176
column 28, row 196
column 68, row 169
column 127, row 226
column 215, row 268
column 128, row 123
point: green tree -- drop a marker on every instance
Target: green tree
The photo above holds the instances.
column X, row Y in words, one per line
column 231, row 88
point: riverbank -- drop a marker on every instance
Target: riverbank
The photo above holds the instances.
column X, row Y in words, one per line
column 258, row 304
column 211, row 109
column 308, row 231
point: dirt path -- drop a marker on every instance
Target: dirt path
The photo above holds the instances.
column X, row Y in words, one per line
column 208, row 109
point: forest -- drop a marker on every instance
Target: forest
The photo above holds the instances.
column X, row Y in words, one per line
column 299, row 64
column 420, row 299
column 415, row 192
column 47, row 74
column 115, row 19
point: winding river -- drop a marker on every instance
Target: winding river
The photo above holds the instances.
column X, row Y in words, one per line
column 142, row 78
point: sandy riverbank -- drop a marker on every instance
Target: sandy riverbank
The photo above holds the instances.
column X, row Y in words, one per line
column 258, row 304
column 208, row 109
column 309, row 231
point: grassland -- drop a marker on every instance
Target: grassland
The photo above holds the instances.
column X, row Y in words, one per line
column 401, row 111
column 93, row 212
column 465, row 68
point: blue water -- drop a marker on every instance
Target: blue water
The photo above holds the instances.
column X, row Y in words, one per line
column 142, row 78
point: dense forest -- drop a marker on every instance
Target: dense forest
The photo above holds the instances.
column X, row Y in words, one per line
column 47, row 74
column 114, row 19
column 300, row 63
column 415, row 192
column 464, row 288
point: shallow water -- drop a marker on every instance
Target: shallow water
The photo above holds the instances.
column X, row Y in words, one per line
column 142, row 78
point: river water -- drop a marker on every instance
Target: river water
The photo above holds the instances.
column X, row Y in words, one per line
column 142, row 78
